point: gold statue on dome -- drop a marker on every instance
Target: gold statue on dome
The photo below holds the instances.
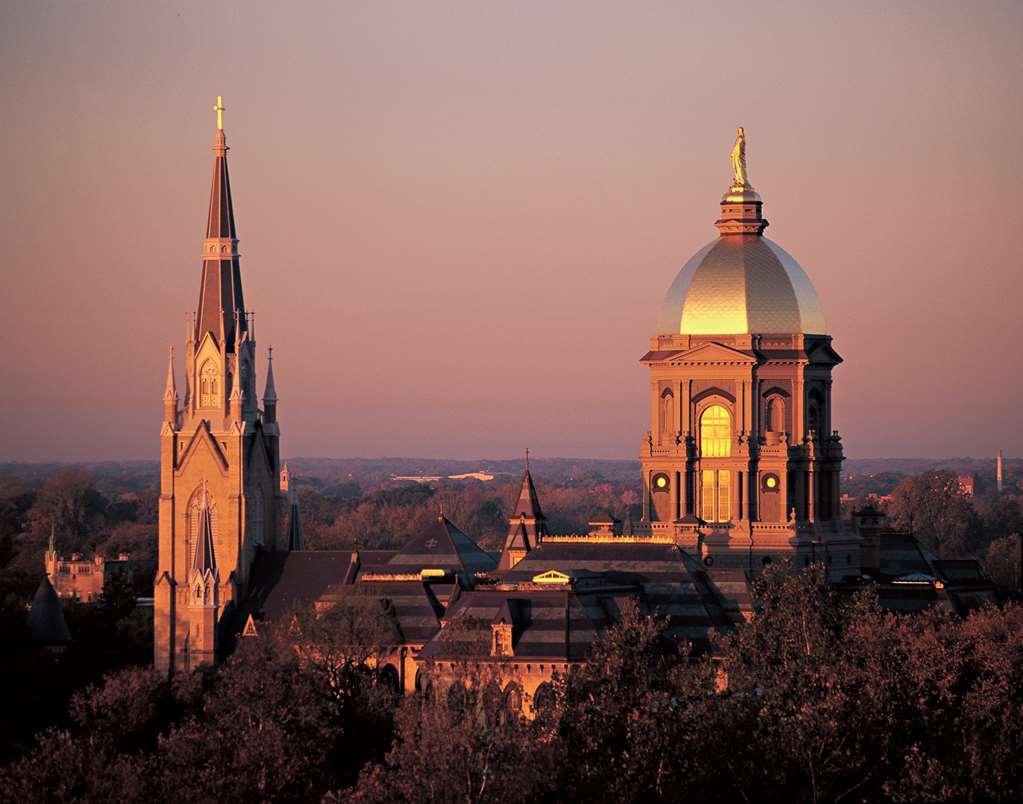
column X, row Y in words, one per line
column 739, row 178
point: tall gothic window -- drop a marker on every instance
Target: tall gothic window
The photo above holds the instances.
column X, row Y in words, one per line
column 209, row 385
column 717, row 495
column 256, row 514
column 716, row 432
column 192, row 530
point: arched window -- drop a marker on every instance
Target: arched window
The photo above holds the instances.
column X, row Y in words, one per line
column 811, row 417
column 543, row 699
column 716, row 432
column 256, row 516
column 513, row 698
column 667, row 412
column 209, row 385
column 389, row 677
column 192, row 524
column 774, row 414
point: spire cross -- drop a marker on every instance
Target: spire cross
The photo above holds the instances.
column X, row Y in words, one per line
column 219, row 109
column 527, row 459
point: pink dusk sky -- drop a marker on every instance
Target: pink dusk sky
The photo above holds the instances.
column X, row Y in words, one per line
column 458, row 220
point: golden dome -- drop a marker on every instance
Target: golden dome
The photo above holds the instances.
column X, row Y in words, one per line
column 741, row 284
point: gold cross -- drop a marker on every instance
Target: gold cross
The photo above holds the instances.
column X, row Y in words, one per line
column 219, row 109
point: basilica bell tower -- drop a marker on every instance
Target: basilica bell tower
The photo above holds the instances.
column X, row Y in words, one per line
column 741, row 464
column 220, row 500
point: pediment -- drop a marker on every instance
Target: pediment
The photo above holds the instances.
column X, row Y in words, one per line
column 202, row 442
column 552, row 577
column 712, row 353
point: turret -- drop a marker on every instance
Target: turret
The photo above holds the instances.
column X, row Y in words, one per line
column 270, row 392
column 170, row 394
column 526, row 526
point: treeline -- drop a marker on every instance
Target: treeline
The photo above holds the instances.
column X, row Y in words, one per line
column 818, row 698
column 951, row 524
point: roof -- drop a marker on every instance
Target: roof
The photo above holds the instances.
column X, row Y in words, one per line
column 220, row 293
column 46, row 623
column 283, row 581
column 741, row 284
column 554, row 625
column 440, row 545
column 657, row 571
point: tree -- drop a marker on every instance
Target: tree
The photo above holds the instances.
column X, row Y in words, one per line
column 934, row 508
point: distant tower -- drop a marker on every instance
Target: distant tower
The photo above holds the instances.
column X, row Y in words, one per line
column 999, row 477
column 219, row 454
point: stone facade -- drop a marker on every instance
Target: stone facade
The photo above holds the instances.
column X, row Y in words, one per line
column 219, row 456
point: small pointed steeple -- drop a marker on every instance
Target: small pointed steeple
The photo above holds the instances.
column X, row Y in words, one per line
column 205, row 558
column 526, row 526
column 270, row 392
column 53, row 539
column 170, row 393
column 237, row 394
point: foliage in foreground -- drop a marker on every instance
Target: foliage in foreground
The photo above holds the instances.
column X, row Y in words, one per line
column 827, row 699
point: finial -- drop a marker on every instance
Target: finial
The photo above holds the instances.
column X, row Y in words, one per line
column 219, row 109
column 170, row 392
column 527, row 459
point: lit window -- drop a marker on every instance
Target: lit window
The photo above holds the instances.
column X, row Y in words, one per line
column 716, row 498
column 716, row 432
column 661, row 482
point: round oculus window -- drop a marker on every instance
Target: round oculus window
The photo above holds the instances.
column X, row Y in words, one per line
column 660, row 482
column 771, row 482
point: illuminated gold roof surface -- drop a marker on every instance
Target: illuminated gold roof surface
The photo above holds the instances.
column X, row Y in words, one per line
column 741, row 284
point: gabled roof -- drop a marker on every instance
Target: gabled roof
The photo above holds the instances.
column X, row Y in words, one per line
column 440, row 545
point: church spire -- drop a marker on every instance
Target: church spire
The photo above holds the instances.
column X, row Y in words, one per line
column 221, row 306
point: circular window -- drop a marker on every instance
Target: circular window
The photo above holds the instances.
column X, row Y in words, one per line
column 771, row 482
column 660, row 482
column 709, row 561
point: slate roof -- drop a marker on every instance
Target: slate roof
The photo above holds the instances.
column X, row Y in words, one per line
column 657, row 571
column 440, row 545
column 556, row 625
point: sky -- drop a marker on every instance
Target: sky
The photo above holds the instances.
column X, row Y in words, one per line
column 458, row 220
